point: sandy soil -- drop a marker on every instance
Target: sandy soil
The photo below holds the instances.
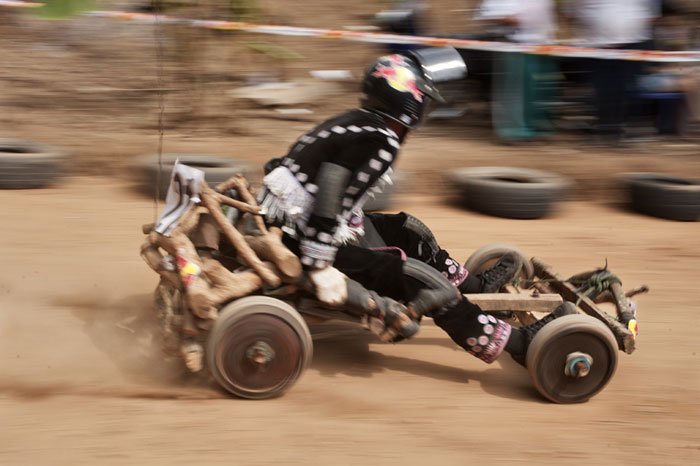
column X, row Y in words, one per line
column 81, row 384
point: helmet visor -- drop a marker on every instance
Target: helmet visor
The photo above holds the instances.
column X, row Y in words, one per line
column 439, row 64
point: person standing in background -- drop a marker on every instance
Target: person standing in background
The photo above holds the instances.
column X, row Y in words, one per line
column 617, row 24
column 516, row 91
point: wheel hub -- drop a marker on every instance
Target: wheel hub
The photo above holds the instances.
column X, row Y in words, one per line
column 260, row 353
column 578, row 364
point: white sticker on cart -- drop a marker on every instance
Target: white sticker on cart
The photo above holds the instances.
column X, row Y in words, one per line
column 183, row 194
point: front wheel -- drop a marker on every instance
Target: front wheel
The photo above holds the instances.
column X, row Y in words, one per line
column 259, row 347
column 572, row 358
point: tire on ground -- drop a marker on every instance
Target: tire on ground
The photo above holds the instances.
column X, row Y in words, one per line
column 509, row 192
column 566, row 337
column 28, row 164
column 663, row 196
column 258, row 347
column 216, row 170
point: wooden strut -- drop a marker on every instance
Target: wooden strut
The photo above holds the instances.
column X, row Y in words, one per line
column 240, row 184
column 267, row 245
column 236, row 238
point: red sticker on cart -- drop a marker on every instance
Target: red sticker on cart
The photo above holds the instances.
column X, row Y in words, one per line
column 188, row 271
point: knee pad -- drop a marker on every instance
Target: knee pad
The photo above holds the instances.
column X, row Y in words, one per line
column 438, row 291
column 427, row 238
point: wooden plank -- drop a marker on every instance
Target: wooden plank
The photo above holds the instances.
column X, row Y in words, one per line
column 516, row 302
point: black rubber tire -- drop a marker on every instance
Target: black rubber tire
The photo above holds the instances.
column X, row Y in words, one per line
column 27, row 164
column 546, row 358
column 246, row 322
column 663, row 196
column 509, row 192
column 216, row 170
column 487, row 256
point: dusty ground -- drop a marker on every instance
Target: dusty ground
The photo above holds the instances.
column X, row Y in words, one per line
column 79, row 386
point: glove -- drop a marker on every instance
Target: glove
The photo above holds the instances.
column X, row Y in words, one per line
column 331, row 285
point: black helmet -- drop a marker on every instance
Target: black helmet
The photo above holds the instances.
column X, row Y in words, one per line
column 397, row 87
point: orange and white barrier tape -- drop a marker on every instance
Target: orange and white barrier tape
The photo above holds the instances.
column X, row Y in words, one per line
column 16, row 4
column 381, row 38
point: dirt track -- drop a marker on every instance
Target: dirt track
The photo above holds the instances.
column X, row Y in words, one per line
column 78, row 388
column 78, row 384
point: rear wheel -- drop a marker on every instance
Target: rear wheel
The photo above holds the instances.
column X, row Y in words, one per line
column 258, row 347
column 572, row 358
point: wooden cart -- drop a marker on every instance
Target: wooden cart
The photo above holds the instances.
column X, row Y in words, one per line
column 247, row 323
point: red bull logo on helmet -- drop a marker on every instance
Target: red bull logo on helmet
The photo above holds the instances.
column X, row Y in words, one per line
column 395, row 70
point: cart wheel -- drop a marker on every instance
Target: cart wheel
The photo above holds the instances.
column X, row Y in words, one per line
column 258, row 347
column 487, row 256
column 572, row 358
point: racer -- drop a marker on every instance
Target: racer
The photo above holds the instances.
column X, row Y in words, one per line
column 316, row 193
column 375, row 263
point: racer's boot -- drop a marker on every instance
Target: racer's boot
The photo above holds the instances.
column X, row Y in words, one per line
column 495, row 278
column 501, row 274
column 521, row 337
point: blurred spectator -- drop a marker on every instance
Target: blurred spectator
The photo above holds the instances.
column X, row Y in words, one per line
column 619, row 24
column 674, row 88
column 516, row 90
column 678, row 79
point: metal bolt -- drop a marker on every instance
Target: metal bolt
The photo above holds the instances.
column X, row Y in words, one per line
column 578, row 364
column 260, row 353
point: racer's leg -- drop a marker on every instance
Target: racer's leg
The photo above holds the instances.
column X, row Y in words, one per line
column 480, row 334
column 379, row 271
column 418, row 241
column 407, row 232
column 485, row 336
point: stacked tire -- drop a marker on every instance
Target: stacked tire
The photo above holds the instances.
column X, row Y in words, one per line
column 663, row 196
column 153, row 172
column 509, row 192
column 28, row 164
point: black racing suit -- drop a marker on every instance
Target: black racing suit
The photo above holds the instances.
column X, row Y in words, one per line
column 316, row 193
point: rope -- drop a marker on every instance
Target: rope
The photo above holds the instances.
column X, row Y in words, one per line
column 156, row 6
column 599, row 281
column 595, row 284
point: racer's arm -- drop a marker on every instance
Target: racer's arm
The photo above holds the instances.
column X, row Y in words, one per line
column 342, row 181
